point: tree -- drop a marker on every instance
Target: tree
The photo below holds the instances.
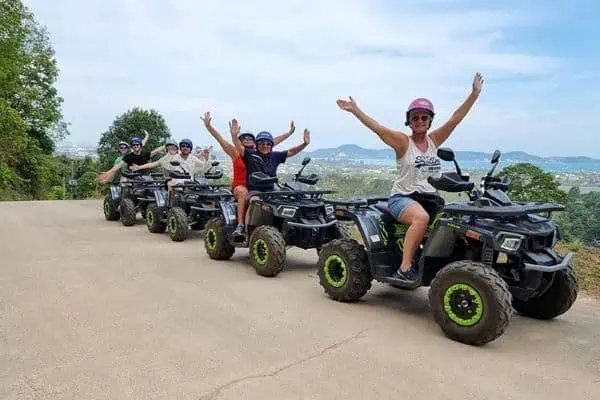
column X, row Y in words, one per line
column 130, row 124
column 530, row 183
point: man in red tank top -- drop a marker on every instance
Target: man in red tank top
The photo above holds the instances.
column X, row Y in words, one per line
column 239, row 187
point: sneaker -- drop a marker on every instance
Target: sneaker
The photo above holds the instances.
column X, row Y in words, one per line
column 409, row 275
column 239, row 231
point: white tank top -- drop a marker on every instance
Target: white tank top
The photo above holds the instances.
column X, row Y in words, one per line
column 414, row 167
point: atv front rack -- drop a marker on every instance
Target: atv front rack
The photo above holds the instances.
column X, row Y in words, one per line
column 293, row 193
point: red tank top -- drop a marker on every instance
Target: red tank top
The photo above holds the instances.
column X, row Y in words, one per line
column 239, row 172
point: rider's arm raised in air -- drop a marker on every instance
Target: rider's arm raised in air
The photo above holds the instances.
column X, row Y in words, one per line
column 146, row 136
column 392, row 138
column 107, row 176
column 157, row 150
column 297, row 149
column 225, row 145
column 234, row 128
column 284, row 136
column 442, row 133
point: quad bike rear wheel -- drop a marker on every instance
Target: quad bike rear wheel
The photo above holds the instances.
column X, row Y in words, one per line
column 470, row 302
column 267, row 251
column 557, row 300
column 344, row 270
column 128, row 212
column 111, row 211
column 215, row 240
column 154, row 219
column 178, row 224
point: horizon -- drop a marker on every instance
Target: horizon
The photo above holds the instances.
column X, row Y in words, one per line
column 183, row 58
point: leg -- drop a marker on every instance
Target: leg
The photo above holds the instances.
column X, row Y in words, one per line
column 240, row 193
column 417, row 219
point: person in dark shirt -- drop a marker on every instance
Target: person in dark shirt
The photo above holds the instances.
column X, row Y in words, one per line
column 263, row 159
column 137, row 156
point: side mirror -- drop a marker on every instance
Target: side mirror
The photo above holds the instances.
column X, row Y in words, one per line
column 496, row 156
column 174, row 163
column 446, row 154
column 305, row 161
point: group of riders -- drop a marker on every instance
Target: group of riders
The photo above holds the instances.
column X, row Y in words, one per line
column 412, row 200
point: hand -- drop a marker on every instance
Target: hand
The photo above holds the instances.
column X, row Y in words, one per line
column 477, row 83
column 103, row 177
column 134, row 167
column 347, row 105
column 306, row 137
column 292, row 127
column 234, row 127
column 207, row 119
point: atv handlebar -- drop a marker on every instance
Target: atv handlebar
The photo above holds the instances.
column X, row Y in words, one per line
column 451, row 182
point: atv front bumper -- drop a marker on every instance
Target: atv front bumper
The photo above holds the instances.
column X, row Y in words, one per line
column 543, row 261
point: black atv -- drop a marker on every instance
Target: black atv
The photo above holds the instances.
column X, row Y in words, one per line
column 290, row 216
column 126, row 199
column 480, row 258
column 188, row 206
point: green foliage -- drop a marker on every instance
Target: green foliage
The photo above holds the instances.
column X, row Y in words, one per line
column 87, row 186
column 530, row 183
column 130, row 124
column 57, row 193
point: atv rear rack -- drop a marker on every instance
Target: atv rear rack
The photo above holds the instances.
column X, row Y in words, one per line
column 518, row 209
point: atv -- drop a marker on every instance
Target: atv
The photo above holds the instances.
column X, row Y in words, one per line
column 187, row 206
column 294, row 215
column 480, row 258
column 132, row 196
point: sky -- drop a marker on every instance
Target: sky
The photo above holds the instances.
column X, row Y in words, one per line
column 266, row 62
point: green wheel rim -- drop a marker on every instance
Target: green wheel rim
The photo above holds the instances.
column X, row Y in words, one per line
column 106, row 208
column 261, row 252
column 150, row 217
column 211, row 239
column 172, row 223
column 463, row 304
column 336, row 271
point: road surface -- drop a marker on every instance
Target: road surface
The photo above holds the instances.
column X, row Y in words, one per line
column 91, row 309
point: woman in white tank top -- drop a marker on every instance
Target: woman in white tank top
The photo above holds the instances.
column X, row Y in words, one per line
column 416, row 160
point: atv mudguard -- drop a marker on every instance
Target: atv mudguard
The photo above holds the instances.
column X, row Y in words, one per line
column 115, row 192
column 229, row 213
column 160, row 198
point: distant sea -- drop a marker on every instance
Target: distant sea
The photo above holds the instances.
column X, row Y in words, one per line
column 475, row 165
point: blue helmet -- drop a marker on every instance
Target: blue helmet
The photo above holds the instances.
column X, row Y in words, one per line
column 264, row 137
column 186, row 141
column 136, row 140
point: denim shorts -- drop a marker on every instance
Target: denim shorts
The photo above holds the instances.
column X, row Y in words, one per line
column 397, row 204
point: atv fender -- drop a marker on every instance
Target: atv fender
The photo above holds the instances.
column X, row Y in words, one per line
column 370, row 225
column 441, row 241
column 159, row 197
column 229, row 211
column 115, row 192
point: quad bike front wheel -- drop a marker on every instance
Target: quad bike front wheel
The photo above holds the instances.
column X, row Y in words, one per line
column 341, row 231
column 470, row 302
column 344, row 271
column 128, row 212
column 154, row 219
column 557, row 300
column 216, row 244
column 111, row 211
column 267, row 251
column 178, row 224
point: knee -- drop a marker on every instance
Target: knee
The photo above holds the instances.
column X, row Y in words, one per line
column 421, row 218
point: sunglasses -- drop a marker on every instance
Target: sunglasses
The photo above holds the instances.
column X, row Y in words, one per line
column 123, row 147
column 183, row 146
column 423, row 118
column 264, row 144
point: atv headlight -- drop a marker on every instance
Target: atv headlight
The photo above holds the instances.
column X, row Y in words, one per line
column 286, row 211
column 329, row 209
column 511, row 244
column 509, row 241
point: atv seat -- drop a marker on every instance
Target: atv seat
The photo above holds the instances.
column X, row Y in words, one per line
column 387, row 216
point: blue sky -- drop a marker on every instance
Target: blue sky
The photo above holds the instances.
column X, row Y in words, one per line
column 266, row 62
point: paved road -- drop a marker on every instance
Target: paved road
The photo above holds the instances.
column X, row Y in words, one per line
column 91, row 309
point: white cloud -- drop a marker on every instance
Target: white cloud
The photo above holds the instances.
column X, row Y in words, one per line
column 266, row 62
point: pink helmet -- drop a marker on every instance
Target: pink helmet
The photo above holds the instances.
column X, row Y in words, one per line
column 421, row 104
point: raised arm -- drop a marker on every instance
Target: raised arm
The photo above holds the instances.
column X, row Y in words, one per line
column 146, row 136
column 157, row 150
column 284, row 136
column 225, row 145
column 295, row 150
column 234, row 128
column 442, row 133
column 392, row 138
